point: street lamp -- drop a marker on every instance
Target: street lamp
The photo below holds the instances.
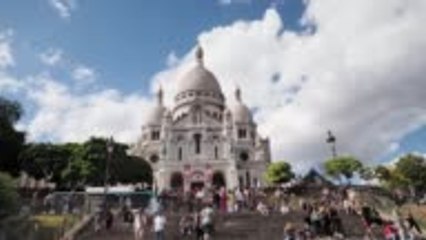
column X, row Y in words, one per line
column 110, row 150
column 331, row 139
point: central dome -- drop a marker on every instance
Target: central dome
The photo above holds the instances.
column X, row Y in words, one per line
column 199, row 79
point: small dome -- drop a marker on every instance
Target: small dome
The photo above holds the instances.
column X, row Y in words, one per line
column 240, row 112
column 154, row 115
column 199, row 78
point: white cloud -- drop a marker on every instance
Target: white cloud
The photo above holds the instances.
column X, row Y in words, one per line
column 51, row 56
column 63, row 7
column 172, row 59
column 7, row 82
column 360, row 72
column 84, row 75
column 225, row 2
column 6, row 56
column 229, row 2
column 64, row 115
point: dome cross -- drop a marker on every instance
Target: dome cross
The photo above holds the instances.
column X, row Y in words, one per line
column 200, row 55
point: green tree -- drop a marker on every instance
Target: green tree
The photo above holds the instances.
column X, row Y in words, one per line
column 8, row 196
column 367, row 173
column 390, row 177
column 11, row 140
column 412, row 169
column 45, row 160
column 342, row 167
column 383, row 173
column 279, row 172
column 88, row 163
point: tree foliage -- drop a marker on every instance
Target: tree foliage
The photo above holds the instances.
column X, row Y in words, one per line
column 367, row 173
column 8, row 196
column 11, row 140
column 73, row 165
column 408, row 172
column 45, row 160
column 413, row 169
column 344, row 166
column 279, row 172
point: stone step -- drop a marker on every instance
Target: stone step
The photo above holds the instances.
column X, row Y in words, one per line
column 236, row 226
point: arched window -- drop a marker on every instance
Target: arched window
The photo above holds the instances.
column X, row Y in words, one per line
column 216, row 152
column 244, row 156
column 248, row 179
column 176, row 181
column 218, row 179
column 240, row 181
column 180, row 154
column 154, row 158
column 155, row 135
column 197, row 139
column 242, row 133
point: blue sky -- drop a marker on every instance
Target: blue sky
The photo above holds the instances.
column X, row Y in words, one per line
column 127, row 43
column 89, row 67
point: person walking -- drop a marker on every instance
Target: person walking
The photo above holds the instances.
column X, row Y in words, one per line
column 109, row 219
column 159, row 226
column 412, row 226
column 289, row 232
column 223, row 200
column 139, row 223
column 186, row 225
column 98, row 221
column 207, row 221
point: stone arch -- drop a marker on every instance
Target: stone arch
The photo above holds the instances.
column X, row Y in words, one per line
column 244, row 156
column 176, row 180
column 154, row 158
column 218, row 179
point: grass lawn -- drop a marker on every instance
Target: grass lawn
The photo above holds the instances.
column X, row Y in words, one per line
column 55, row 221
column 50, row 227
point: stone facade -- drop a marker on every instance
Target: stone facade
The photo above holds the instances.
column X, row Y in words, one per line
column 201, row 141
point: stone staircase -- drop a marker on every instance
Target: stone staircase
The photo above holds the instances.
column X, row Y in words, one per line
column 238, row 226
column 252, row 226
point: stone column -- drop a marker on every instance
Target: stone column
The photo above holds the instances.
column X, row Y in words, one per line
column 232, row 178
column 187, row 178
column 160, row 179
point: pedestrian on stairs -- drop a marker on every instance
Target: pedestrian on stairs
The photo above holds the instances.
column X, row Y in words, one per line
column 239, row 197
column 186, row 225
column 109, row 219
column 289, row 232
column 139, row 223
column 197, row 226
column 207, row 221
column 159, row 226
column 98, row 220
column 412, row 226
column 390, row 231
column 223, row 200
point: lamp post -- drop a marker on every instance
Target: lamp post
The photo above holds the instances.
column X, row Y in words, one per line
column 331, row 139
column 110, row 150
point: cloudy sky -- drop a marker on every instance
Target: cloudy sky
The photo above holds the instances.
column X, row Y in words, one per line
column 357, row 67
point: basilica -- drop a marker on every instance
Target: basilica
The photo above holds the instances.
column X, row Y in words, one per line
column 202, row 140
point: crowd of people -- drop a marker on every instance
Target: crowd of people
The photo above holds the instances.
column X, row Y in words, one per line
column 322, row 215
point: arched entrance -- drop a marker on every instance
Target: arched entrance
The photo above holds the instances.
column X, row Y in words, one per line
column 197, row 180
column 218, row 179
column 176, row 181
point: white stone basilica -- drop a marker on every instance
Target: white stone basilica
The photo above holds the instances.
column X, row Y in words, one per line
column 201, row 141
